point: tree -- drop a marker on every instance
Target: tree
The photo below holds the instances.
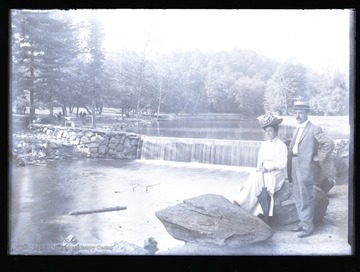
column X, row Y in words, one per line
column 331, row 85
column 93, row 32
column 43, row 43
column 133, row 81
column 220, row 89
column 236, row 81
column 249, row 94
column 171, row 86
column 193, row 82
column 24, row 52
column 288, row 82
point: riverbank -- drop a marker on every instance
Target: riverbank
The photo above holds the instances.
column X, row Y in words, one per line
column 333, row 125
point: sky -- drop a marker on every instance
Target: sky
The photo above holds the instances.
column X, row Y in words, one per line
column 317, row 38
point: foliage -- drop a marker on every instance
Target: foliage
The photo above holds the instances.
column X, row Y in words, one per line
column 133, row 82
column 43, row 45
column 333, row 87
column 249, row 95
column 58, row 59
column 287, row 83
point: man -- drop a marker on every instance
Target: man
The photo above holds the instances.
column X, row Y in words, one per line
column 308, row 149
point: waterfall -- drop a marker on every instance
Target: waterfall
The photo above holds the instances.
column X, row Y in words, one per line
column 210, row 151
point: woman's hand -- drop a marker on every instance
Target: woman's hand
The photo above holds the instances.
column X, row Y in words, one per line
column 268, row 166
column 262, row 169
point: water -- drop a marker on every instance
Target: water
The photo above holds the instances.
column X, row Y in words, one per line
column 226, row 139
column 225, row 127
column 208, row 151
column 42, row 198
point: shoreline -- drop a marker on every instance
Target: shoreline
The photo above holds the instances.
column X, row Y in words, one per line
column 331, row 124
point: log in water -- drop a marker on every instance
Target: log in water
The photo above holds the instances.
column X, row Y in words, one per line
column 117, row 208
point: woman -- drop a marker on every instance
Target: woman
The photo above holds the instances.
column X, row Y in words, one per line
column 271, row 168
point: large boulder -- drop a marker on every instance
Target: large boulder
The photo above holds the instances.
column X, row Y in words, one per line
column 213, row 220
column 325, row 184
column 285, row 210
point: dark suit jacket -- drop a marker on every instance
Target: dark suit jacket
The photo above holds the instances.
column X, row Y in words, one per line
column 314, row 149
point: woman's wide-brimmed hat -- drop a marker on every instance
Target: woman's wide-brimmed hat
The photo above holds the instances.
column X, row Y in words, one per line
column 269, row 120
column 300, row 105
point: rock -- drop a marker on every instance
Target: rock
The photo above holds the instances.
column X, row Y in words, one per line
column 325, row 184
column 111, row 152
column 321, row 204
column 67, row 145
column 89, row 134
column 59, row 134
column 125, row 248
column 213, row 220
column 54, row 145
column 70, row 239
column 74, row 140
column 120, row 155
column 93, row 145
column 41, row 154
column 85, row 140
column 119, row 148
column 150, row 245
column 86, row 151
column 103, row 149
column 342, row 169
column 285, row 210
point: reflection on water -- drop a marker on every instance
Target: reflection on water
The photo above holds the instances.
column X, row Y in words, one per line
column 227, row 127
column 42, row 198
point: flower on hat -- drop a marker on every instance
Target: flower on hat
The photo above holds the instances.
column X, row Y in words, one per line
column 269, row 119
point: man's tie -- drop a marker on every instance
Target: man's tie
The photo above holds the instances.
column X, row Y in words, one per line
column 296, row 143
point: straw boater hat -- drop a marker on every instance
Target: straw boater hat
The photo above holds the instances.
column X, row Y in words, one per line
column 301, row 105
column 269, row 120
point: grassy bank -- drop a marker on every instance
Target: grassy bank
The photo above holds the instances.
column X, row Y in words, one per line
column 339, row 126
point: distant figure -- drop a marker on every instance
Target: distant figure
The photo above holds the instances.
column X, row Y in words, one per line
column 59, row 116
column 68, row 122
column 20, row 109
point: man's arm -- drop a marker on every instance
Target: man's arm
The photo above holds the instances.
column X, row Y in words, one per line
column 326, row 144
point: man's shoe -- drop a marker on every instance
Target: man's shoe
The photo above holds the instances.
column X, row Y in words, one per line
column 297, row 229
column 306, row 233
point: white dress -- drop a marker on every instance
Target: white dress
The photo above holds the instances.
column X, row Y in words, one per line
column 272, row 155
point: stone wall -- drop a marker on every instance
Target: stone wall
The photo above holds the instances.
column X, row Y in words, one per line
column 42, row 143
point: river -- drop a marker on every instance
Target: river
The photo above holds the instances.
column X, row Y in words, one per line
column 43, row 196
